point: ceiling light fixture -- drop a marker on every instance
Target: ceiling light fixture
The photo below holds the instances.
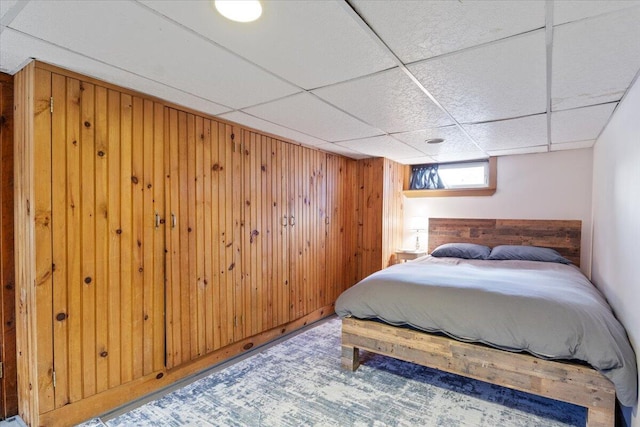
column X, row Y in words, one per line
column 239, row 10
column 434, row 141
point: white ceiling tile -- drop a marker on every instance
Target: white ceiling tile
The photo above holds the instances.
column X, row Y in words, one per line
column 144, row 43
column 418, row 160
column 580, row 124
column 382, row 146
column 572, row 10
column 516, row 151
column 5, row 7
column 309, row 43
column 307, row 114
column 455, row 141
column 507, row 134
column 417, row 30
column 344, row 151
column 13, row 54
column 16, row 43
column 575, row 145
column 492, row 82
column 447, row 157
column 389, row 99
column 595, row 60
column 265, row 126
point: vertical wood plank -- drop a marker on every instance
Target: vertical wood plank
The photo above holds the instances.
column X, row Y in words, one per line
column 198, row 236
column 227, row 266
column 127, row 237
column 43, row 243
column 101, row 156
column 217, row 254
column 26, row 326
column 137, row 232
column 59, row 229
column 191, row 279
column 9, row 387
column 246, row 295
column 266, row 248
column 182, row 214
column 115, row 231
column 148, row 232
column 158, row 324
column 183, row 226
column 208, row 244
column 174, row 291
column 170, row 348
column 73, row 239
column 87, row 196
column 283, row 188
column 237, row 214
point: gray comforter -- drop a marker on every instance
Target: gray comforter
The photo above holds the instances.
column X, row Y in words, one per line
column 549, row 310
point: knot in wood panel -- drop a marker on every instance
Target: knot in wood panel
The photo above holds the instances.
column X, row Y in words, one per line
column 254, row 233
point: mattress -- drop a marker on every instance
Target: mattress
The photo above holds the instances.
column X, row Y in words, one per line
column 547, row 309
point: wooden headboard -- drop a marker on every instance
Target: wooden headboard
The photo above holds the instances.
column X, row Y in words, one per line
column 563, row 236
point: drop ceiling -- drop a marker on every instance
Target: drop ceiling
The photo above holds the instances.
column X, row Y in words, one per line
column 359, row 78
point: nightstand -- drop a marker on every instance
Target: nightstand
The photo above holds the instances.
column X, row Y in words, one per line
column 402, row 256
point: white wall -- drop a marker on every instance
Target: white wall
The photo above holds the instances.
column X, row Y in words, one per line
column 616, row 218
column 554, row 185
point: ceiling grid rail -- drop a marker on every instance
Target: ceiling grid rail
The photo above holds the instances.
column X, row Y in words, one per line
column 401, row 65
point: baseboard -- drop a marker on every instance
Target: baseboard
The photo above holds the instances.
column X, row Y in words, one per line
column 111, row 400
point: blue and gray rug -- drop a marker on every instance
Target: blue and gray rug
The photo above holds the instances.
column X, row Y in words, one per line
column 299, row 382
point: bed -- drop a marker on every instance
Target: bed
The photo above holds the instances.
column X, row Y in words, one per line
column 402, row 312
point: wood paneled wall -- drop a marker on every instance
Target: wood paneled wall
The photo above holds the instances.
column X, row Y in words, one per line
column 380, row 213
column 342, row 228
column 154, row 241
column 99, row 260
column 8, row 382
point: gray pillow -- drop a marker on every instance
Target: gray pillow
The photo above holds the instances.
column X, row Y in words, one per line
column 462, row 250
column 527, row 253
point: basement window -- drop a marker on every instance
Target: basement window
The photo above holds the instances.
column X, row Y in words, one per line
column 473, row 178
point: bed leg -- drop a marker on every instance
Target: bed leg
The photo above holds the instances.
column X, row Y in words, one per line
column 601, row 417
column 351, row 358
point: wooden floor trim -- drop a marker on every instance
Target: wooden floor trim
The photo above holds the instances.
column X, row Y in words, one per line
column 100, row 403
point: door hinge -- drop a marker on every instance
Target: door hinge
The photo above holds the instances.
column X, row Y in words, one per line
column 53, row 376
column 51, row 104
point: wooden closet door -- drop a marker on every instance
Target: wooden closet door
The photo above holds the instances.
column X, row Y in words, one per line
column 314, row 210
column 107, row 254
column 307, row 208
column 266, row 231
column 342, row 225
column 203, row 224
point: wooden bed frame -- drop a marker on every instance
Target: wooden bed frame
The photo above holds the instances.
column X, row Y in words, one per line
column 568, row 382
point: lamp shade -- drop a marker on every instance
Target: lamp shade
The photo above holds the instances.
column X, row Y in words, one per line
column 417, row 223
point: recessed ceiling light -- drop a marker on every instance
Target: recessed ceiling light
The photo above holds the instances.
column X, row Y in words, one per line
column 434, row 141
column 239, row 10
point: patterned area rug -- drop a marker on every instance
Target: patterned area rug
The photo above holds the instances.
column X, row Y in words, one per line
column 299, row 382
